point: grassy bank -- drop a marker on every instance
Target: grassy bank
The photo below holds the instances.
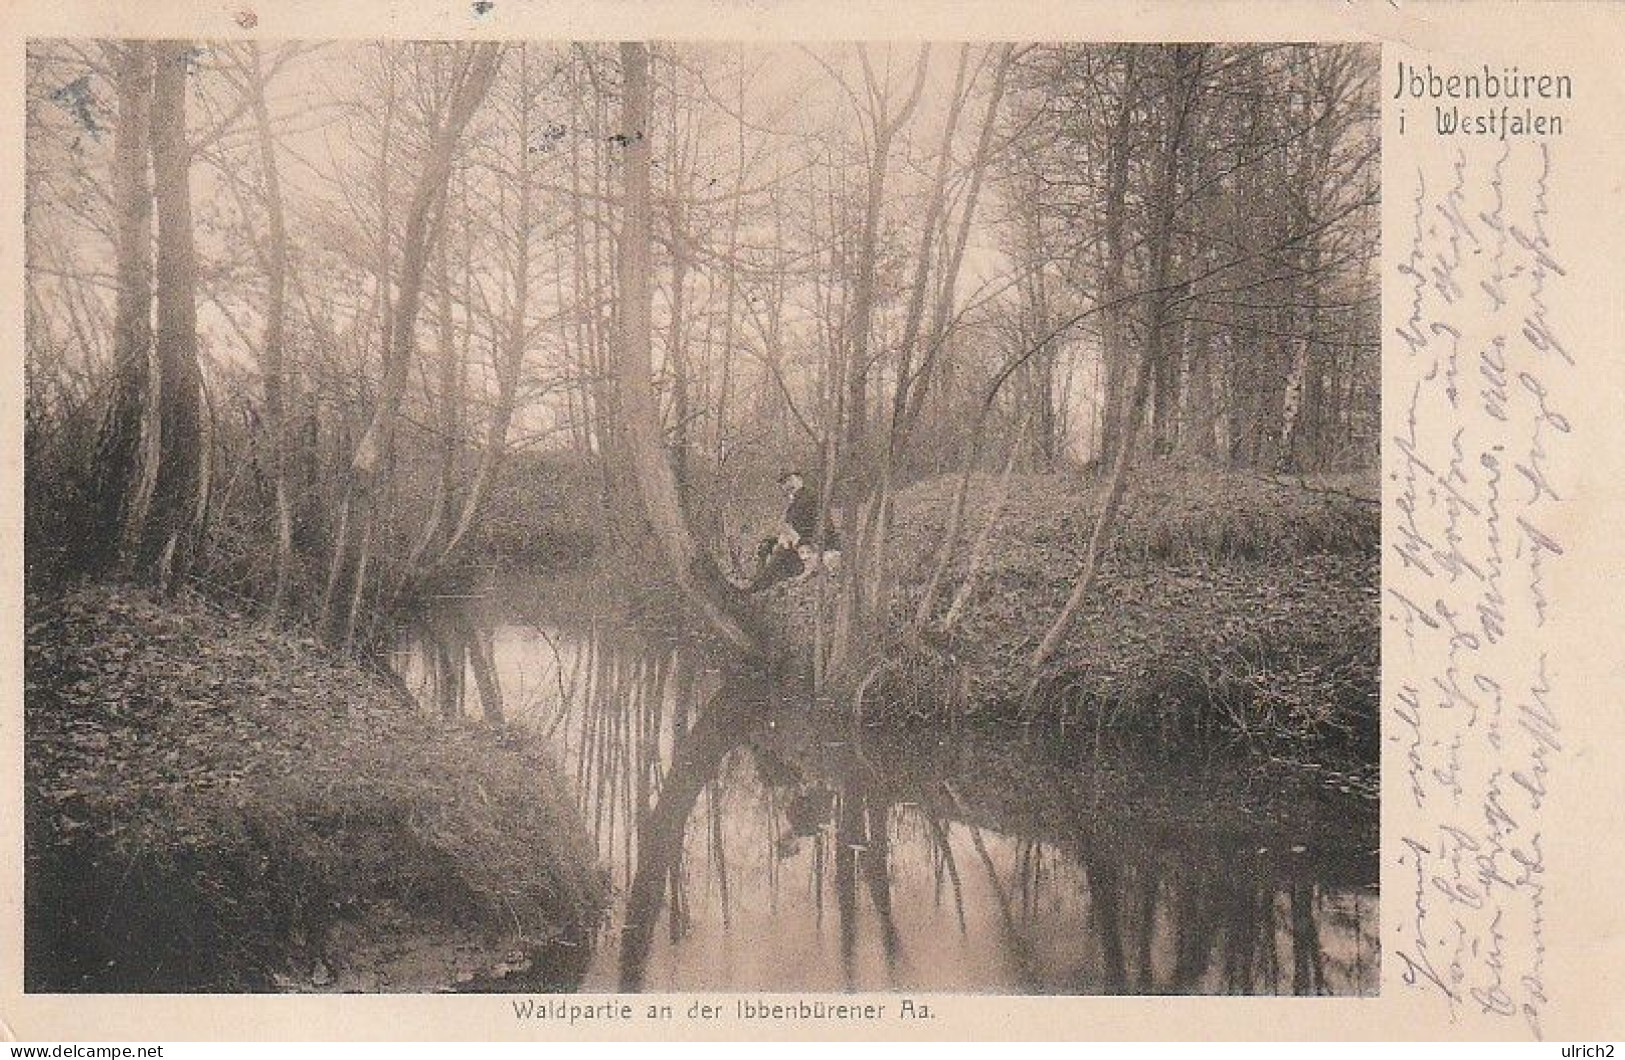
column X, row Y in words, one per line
column 214, row 805
column 1229, row 603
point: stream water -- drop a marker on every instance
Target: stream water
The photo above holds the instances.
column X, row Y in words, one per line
column 756, row 845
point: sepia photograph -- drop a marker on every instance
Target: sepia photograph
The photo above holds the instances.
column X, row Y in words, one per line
column 537, row 517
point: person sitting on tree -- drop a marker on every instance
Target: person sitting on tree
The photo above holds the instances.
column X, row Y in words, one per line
column 785, row 554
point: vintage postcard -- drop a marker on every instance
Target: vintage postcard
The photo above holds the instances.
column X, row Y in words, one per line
column 812, row 521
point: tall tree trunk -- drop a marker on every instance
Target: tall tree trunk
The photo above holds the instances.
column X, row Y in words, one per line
column 450, row 398
column 273, row 352
column 885, row 127
column 937, row 335
column 691, row 567
column 180, row 495
column 515, row 335
column 929, row 234
column 730, row 300
column 910, row 394
column 595, row 398
column 621, row 505
column 1301, row 405
column 678, row 352
column 384, row 297
column 128, row 446
column 866, row 585
column 426, row 211
column 1112, row 328
column 865, row 497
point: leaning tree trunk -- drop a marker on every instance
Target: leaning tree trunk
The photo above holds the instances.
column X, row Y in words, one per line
column 339, row 553
column 696, row 575
column 427, row 209
column 515, row 337
column 450, row 396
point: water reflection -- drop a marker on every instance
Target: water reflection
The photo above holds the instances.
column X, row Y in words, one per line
column 754, row 847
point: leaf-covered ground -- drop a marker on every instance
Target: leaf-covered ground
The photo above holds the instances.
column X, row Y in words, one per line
column 212, row 804
column 1228, row 600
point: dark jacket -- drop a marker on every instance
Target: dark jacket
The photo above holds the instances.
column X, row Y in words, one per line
column 802, row 513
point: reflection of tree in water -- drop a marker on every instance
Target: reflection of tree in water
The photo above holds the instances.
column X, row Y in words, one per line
column 733, row 720
column 455, row 648
column 696, row 759
column 1160, row 928
column 680, row 774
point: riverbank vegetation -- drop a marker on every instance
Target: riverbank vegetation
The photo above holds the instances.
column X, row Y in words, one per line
column 217, row 805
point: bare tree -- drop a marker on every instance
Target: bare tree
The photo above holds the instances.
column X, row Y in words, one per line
column 180, row 493
column 128, row 449
column 273, row 351
column 475, row 69
column 690, row 565
column 1186, row 71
